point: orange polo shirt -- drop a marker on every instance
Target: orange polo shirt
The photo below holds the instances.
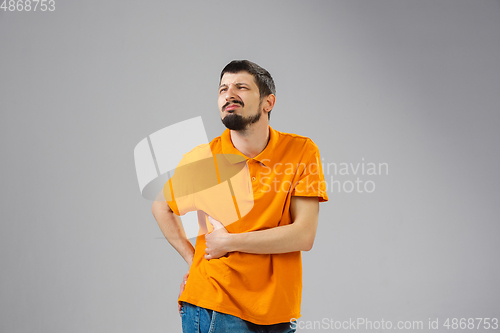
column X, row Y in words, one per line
column 253, row 195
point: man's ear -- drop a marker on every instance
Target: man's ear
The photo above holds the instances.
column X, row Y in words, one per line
column 268, row 102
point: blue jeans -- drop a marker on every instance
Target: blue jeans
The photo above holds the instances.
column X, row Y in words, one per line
column 200, row 320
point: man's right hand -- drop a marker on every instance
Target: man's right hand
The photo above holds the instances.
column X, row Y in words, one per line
column 183, row 285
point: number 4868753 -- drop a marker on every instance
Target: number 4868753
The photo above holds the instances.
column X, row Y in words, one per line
column 28, row 5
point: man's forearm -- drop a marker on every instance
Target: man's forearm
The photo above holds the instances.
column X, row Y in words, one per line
column 282, row 239
column 297, row 236
column 171, row 227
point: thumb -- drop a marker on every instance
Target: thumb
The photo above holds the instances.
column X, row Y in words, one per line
column 216, row 224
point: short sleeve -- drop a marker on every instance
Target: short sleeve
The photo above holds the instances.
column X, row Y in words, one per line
column 310, row 180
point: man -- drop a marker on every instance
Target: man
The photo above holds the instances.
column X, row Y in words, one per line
column 246, row 276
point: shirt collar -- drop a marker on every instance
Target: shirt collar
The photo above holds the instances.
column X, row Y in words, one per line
column 265, row 157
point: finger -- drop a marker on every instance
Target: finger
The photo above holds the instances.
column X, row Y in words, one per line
column 216, row 224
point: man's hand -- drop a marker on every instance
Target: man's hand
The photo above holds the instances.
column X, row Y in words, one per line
column 183, row 285
column 217, row 241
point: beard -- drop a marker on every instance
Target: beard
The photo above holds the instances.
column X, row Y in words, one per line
column 236, row 122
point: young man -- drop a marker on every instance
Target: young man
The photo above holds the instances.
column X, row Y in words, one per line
column 246, row 276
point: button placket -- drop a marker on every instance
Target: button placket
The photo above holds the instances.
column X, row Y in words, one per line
column 252, row 169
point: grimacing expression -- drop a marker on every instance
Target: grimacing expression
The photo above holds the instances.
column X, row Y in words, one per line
column 239, row 100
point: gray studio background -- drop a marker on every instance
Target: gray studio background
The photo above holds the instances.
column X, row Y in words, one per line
column 414, row 84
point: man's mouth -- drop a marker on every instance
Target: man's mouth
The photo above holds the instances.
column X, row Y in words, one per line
column 231, row 107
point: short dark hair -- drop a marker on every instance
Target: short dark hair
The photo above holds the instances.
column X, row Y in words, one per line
column 264, row 80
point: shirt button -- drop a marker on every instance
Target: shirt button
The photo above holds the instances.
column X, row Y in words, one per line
column 253, row 179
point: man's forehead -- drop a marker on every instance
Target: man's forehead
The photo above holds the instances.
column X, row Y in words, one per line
column 240, row 77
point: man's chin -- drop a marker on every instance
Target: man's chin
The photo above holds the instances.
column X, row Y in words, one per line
column 234, row 122
column 233, row 127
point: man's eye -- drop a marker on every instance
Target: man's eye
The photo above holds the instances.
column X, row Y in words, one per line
column 222, row 90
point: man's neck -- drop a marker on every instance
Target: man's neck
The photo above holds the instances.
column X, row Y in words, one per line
column 253, row 140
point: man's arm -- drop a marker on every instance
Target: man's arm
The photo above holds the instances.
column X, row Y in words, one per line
column 298, row 236
column 171, row 227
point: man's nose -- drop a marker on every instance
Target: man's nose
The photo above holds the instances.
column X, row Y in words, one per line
column 230, row 93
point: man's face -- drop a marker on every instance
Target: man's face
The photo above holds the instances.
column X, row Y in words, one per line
column 239, row 100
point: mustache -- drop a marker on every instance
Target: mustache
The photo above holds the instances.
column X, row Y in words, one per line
column 232, row 102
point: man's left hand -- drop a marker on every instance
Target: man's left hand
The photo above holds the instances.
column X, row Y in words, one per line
column 216, row 241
